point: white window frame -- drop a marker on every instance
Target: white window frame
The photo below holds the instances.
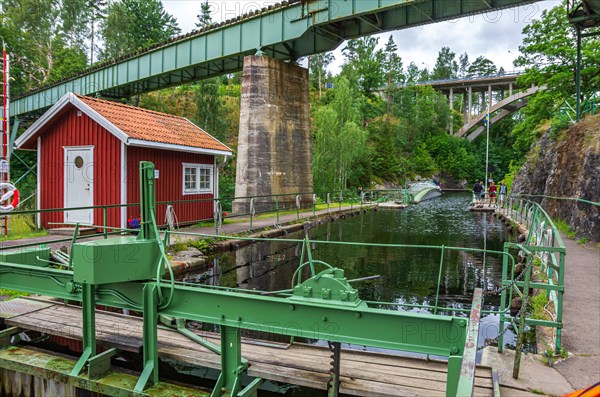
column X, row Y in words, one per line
column 198, row 167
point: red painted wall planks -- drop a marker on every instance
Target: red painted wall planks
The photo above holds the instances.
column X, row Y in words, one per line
column 71, row 129
column 169, row 185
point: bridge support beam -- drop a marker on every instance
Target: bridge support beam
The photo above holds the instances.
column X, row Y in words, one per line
column 274, row 145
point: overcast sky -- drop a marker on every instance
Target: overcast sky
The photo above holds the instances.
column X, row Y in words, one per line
column 492, row 35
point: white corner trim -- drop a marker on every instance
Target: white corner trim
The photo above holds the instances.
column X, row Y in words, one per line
column 177, row 148
column 58, row 106
column 123, row 185
column 38, row 193
column 31, row 131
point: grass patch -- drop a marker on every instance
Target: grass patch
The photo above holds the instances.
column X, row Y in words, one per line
column 536, row 391
column 537, row 304
column 12, row 293
column 565, row 228
column 273, row 214
column 22, row 226
column 583, row 241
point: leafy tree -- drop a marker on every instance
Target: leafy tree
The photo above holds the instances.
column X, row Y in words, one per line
column 549, row 55
column 318, row 69
column 463, row 68
column 482, row 66
column 204, row 18
column 339, row 139
column 412, row 74
column 392, row 67
column 446, row 66
column 210, row 110
column 134, row 24
column 363, row 64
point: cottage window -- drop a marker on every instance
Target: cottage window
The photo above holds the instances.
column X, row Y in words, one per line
column 197, row 178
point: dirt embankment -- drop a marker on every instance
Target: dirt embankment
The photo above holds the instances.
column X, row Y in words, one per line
column 567, row 164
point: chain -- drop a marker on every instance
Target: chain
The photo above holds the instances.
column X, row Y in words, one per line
column 498, row 291
column 493, row 341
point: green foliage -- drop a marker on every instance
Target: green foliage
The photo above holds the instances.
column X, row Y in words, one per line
column 131, row 25
column 204, row 18
column 339, row 139
column 201, row 245
column 446, row 66
column 558, row 124
column 537, row 306
column 549, row 54
column 363, row 64
column 564, row 227
column 482, row 66
column 210, row 109
column 12, row 294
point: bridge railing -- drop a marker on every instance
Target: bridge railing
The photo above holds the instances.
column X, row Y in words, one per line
column 542, row 267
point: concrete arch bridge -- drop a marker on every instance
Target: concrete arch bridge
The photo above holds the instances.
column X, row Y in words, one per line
column 477, row 92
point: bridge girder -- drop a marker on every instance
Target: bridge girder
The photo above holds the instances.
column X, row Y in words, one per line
column 285, row 32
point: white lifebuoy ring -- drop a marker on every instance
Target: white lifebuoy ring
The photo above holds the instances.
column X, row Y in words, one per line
column 11, row 191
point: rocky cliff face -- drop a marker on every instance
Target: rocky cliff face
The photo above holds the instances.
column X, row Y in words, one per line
column 567, row 165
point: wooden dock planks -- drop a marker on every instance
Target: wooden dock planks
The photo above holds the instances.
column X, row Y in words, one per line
column 362, row 373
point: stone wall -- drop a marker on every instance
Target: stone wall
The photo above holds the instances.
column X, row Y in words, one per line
column 274, row 146
column 567, row 164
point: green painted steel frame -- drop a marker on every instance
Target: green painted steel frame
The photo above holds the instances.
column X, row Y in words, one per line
column 285, row 33
column 544, row 242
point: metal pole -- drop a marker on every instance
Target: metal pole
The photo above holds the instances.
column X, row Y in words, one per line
column 487, row 142
column 578, row 76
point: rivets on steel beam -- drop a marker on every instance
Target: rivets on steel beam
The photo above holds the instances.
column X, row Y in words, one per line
column 292, row 307
column 324, row 318
column 462, row 323
column 454, row 350
column 357, row 315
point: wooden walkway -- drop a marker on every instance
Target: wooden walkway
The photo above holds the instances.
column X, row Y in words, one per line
column 362, row 373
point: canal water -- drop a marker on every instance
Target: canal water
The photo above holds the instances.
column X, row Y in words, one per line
column 408, row 275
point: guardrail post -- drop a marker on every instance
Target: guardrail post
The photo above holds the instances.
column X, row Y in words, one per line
column 314, row 204
column 104, row 222
column 298, row 205
column 505, row 282
column 328, row 202
column 252, row 212
column 277, row 208
column 559, row 298
column 522, row 317
column 341, row 199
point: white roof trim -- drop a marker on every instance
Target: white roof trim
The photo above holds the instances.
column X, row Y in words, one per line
column 110, row 127
column 178, row 148
column 58, row 106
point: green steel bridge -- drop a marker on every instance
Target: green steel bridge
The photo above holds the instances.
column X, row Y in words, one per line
column 286, row 31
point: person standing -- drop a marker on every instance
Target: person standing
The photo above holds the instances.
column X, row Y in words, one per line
column 492, row 190
column 477, row 188
column 503, row 191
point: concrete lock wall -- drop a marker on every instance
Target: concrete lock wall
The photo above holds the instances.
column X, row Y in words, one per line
column 274, row 145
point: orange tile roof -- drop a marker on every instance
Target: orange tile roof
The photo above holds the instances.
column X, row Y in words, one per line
column 147, row 125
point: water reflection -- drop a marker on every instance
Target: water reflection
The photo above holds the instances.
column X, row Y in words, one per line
column 409, row 275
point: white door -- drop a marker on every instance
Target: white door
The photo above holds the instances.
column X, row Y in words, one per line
column 79, row 184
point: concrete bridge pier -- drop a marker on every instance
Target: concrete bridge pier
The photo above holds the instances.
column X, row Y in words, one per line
column 274, row 145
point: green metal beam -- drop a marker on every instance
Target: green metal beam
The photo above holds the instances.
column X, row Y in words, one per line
column 411, row 332
column 285, row 32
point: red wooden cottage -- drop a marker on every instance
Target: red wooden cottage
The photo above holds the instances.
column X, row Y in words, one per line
column 88, row 154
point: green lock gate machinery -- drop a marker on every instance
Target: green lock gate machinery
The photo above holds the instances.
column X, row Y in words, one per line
column 127, row 273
